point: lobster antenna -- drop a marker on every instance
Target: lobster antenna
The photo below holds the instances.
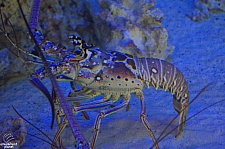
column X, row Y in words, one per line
column 39, row 85
column 15, row 44
column 71, row 119
column 34, row 14
column 34, row 127
column 4, row 29
column 33, row 81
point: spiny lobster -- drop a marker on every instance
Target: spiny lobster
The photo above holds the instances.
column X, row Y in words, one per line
column 114, row 75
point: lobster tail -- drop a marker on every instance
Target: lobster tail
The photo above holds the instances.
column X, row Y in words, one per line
column 161, row 74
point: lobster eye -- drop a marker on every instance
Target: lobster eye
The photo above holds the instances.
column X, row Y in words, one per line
column 78, row 54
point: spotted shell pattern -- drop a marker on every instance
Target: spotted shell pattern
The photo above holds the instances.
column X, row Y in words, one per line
column 117, row 73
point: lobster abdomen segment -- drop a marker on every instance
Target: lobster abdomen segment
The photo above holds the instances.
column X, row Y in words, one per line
column 161, row 74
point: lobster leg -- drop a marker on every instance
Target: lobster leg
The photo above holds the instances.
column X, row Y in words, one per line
column 101, row 115
column 62, row 123
column 145, row 122
column 61, row 127
column 59, row 121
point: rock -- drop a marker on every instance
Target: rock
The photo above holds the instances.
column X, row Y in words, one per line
column 203, row 8
column 131, row 27
column 4, row 61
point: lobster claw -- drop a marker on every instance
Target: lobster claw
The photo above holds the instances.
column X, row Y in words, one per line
column 39, row 85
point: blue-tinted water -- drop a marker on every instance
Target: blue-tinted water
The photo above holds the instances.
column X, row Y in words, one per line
column 200, row 55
